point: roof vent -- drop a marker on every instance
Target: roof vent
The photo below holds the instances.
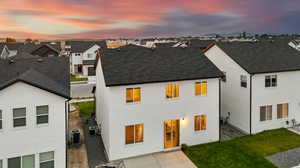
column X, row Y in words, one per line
column 119, row 49
column 40, row 60
column 11, row 61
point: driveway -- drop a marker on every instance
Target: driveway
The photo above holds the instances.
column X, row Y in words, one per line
column 82, row 90
column 174, row 159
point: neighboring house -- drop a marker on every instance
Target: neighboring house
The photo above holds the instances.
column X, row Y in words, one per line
column 295, row 44
column 260, row 91
column 83, row 56
column 34, row 99
column 4, row 52
column 201, row 44
column 153, row 100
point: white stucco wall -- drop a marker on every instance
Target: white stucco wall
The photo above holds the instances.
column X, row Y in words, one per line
column 235, row 99
column 32, row 139
column 287, row 91
column 91, row 51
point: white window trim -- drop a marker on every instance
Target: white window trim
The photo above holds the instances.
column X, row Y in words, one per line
column 266, row 113
column 201, row 95
column 172, row 98
column 133, row 102
column 19, row 127
column 21, row 159
column 39, row 161
column 200, row 131
column 135, row 143
column 271, row 77
column 44, row 124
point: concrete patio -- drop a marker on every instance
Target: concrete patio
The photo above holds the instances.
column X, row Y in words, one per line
column 174, row 159
column 229, row 132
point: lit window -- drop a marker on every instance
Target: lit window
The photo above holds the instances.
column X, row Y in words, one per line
column 265, row 113
column 282, row 110
column 200, row 122
column 19, row 117
column 134, row 133
column 244, row 81
column 47, row 160
column 1, row 121
column 133, row 95
column 200, row 88
column 42, row 116
column 172, row 90
column 271, row 81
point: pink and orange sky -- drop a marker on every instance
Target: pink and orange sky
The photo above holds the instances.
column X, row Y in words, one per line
column 145, row 18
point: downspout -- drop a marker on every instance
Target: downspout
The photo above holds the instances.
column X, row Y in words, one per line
column 67, row 107
column 250, row 104
column 219, row 109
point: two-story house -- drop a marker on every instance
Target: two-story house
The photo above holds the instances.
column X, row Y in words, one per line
column 83, row 56
column 33, row 112
column 260, row 91
column 153, row 100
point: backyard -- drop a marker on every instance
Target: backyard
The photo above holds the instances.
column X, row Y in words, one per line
column 243, row 152
column 85, row 108
column 73, row 78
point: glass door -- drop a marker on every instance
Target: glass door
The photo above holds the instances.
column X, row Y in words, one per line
column 171, row 133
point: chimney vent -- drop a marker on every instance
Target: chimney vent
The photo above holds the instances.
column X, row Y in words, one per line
column 40, row 60
column 11, row 61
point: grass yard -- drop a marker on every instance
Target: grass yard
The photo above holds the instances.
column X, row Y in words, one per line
column 73, row 78
column 85, row 108
column 243, row 152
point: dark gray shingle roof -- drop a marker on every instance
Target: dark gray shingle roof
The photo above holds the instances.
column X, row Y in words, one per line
column 136, row 65
column 82, row 46
column 38, row 73
column 263, row 57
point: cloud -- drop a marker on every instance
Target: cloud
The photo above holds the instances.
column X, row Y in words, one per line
column 143, row 18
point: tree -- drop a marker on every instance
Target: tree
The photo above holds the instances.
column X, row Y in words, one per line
column 10, row 40
column 28, row 40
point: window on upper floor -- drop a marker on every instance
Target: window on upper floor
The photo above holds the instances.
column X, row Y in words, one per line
column 201, row 88
column 19, row 117
column 77, row 54
column 244, row 81
column 172, row 91
column 134, row 133
column 21, row 162
column 271, row 81
column 89, row 55
column 42, row 114
column 265, row 113
column 200, row 123
column 47, row 160
column 133, row 95
column 1, row 121
column 282, row 110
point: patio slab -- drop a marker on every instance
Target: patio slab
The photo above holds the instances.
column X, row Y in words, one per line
column 286, row 159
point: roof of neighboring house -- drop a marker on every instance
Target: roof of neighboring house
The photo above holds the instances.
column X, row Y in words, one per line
column 82, row 46
column 136, row 65
column 55, row 45
column 200, row 43
column 263, row 57
column 39, row 73
column 88, row 62
column 170, row 44
column 14, row 46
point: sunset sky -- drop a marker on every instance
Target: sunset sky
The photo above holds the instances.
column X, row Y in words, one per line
column 145, row 18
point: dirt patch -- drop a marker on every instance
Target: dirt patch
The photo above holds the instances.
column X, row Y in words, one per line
column 77, row 156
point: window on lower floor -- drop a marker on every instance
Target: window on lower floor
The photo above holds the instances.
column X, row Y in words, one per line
column 1, row 121
column 1, row 164
column 21, row 162
column 42, row 114
column 282, row 110
column 200, row 122
column 133, row 95
column 172, row 91
column 134, row 133
column 271, row 81
column 19, row 117
column 47, row 160
column 201, row 88
column 265, row 113
column 244, row 81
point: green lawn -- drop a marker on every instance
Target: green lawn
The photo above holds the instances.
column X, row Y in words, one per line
column 73, row 78
column 85, row 108
column 243, row 152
